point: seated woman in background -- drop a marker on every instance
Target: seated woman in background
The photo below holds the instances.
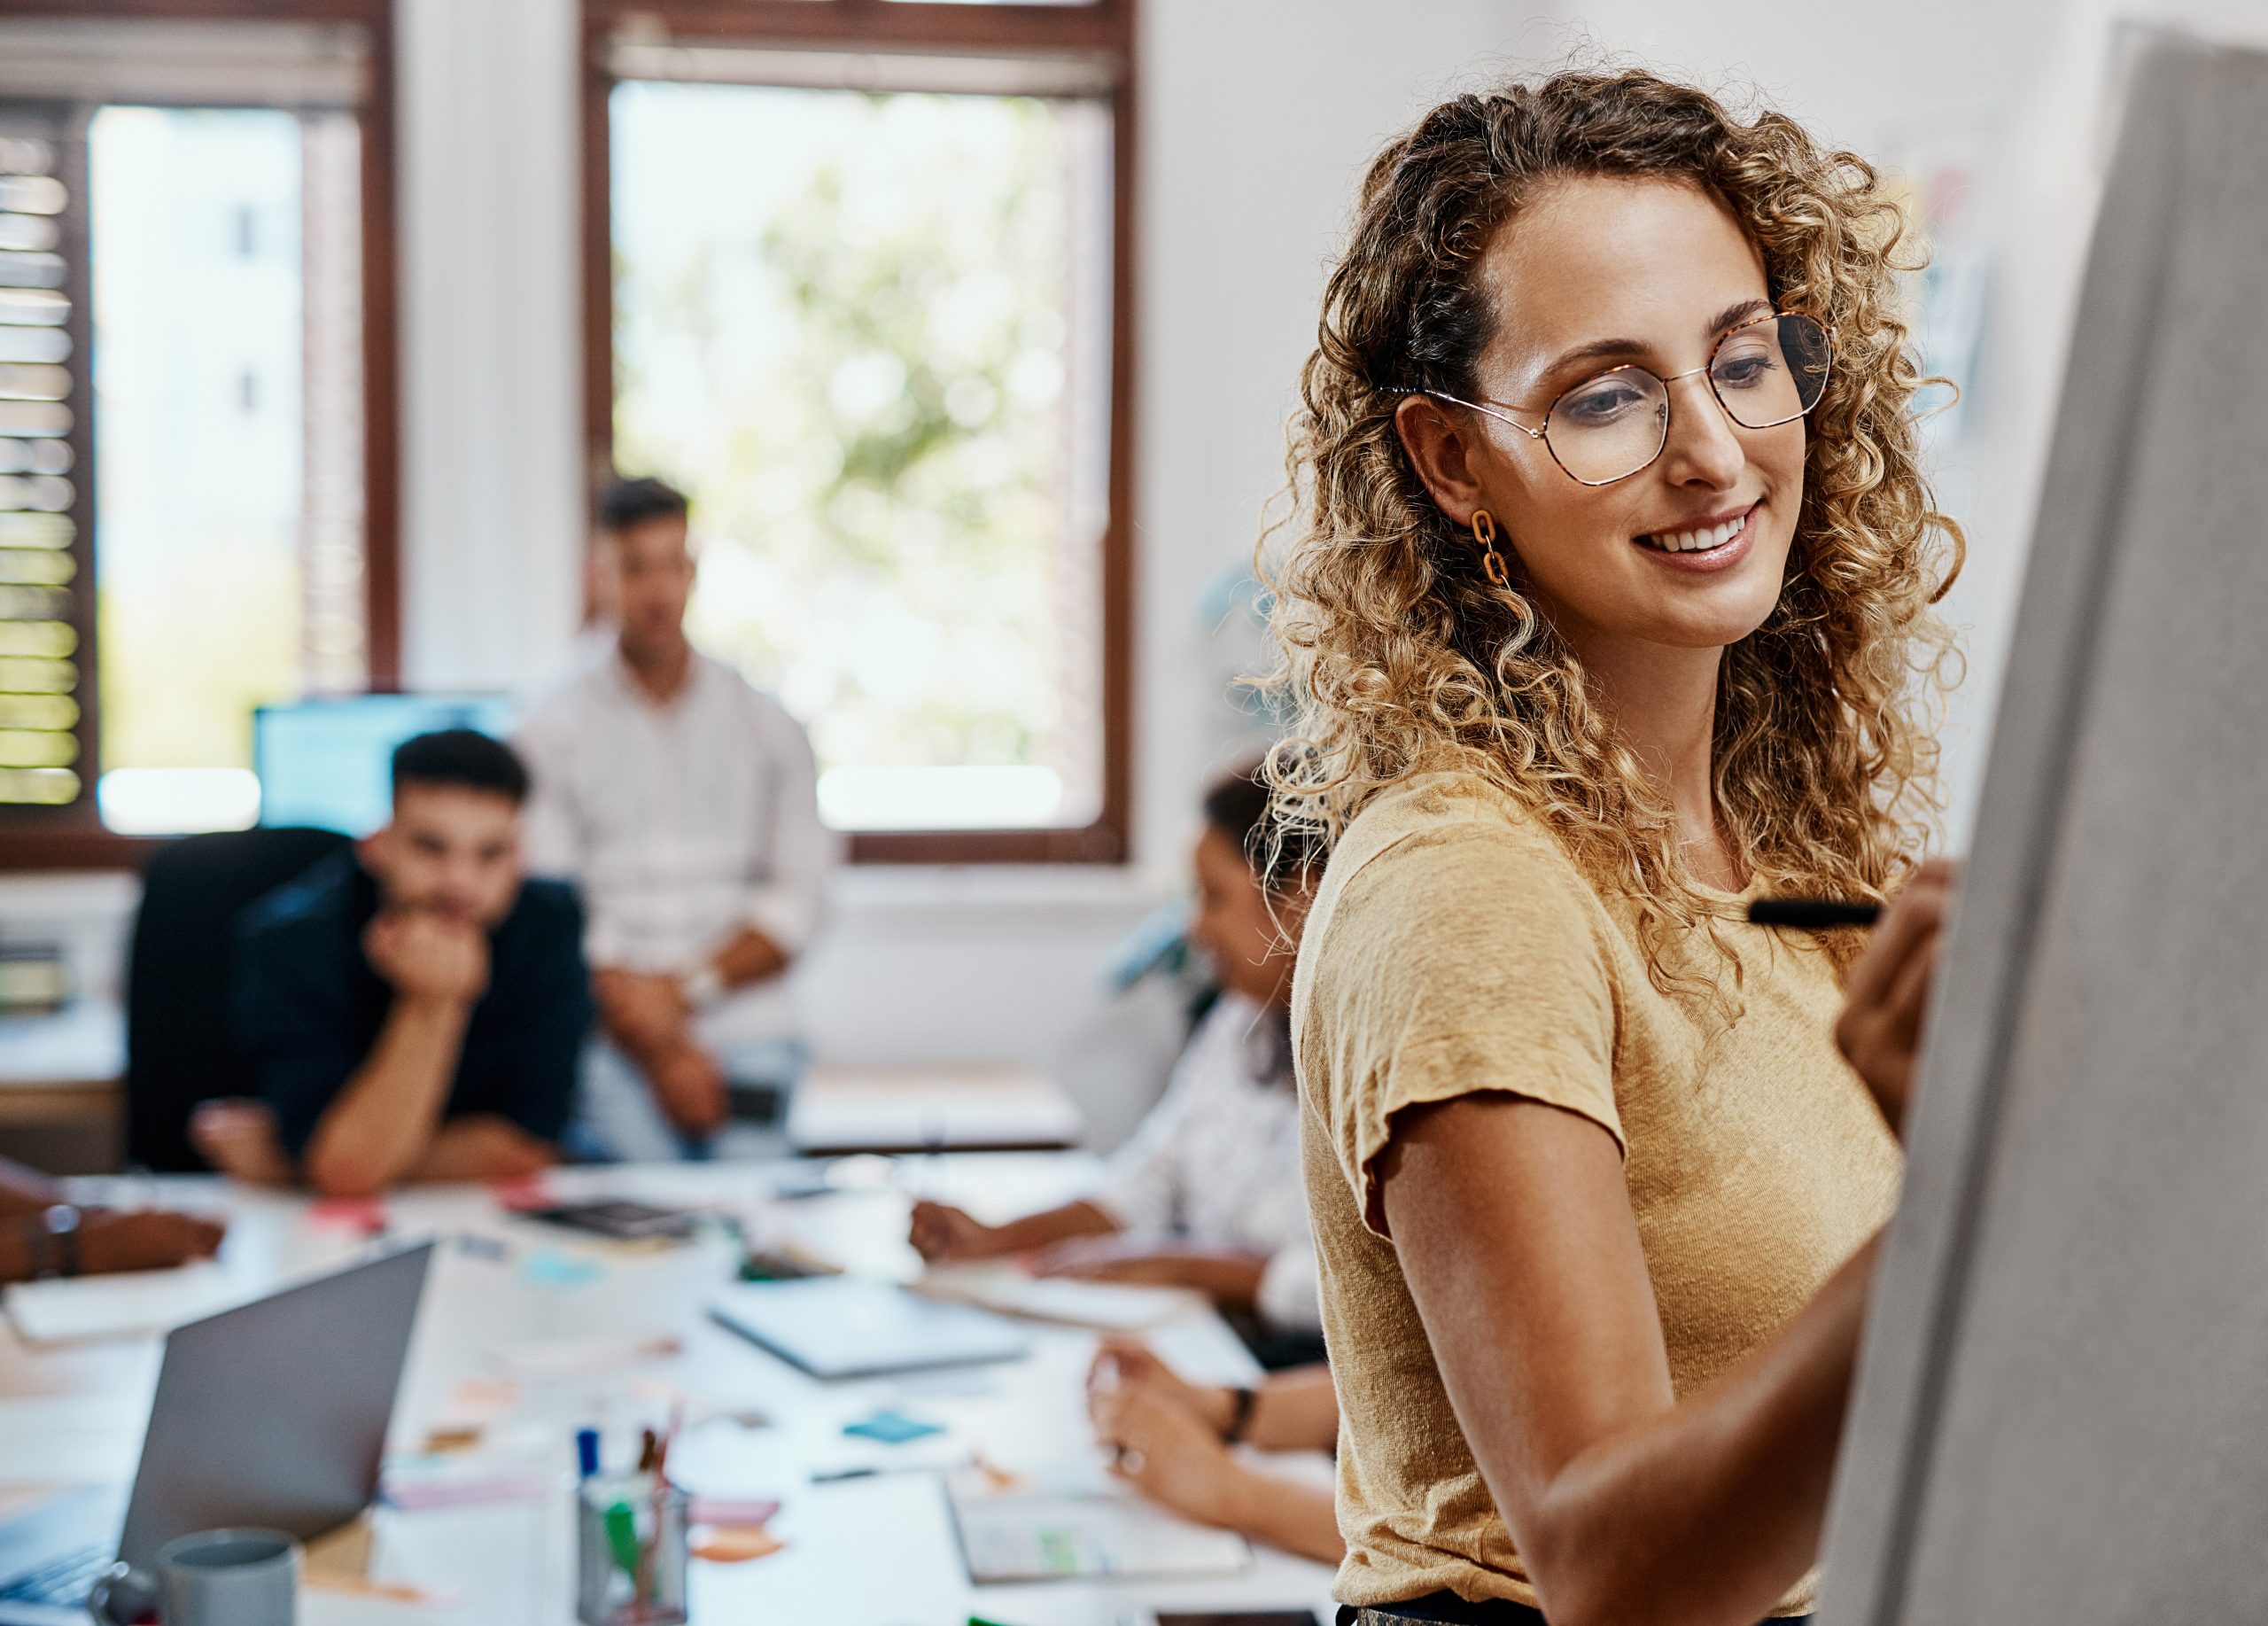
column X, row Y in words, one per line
column 1174, row 1441
column 1207, row 1194
column 43, row 1232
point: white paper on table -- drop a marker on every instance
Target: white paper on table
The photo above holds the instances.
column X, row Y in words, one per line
column 1100, row 1306
column 1038, row 1537
column 128, row 1305
column 52, row 1440
column 553, row 1360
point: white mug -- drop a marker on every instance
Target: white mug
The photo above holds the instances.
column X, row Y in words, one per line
column 244, row 1577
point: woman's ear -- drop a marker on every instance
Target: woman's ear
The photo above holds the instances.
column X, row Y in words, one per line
column 1439, row 447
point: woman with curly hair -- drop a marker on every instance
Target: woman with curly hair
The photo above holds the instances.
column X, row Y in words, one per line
column 1607, row 606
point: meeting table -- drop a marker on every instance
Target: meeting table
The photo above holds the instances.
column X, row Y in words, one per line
column 528, row 1333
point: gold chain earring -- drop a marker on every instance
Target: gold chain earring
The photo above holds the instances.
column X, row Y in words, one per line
column 1483, row 537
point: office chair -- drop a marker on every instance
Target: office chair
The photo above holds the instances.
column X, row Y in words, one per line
column 179, row 1046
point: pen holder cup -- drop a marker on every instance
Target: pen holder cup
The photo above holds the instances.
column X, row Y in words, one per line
column 630, row 1550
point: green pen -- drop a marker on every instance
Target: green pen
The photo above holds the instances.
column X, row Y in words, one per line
column 622, row 1536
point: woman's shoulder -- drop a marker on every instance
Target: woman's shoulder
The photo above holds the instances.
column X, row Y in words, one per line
column 1448, row 863
column 1446, row 818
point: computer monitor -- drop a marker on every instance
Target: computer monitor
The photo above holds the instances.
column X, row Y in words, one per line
column 328, row 763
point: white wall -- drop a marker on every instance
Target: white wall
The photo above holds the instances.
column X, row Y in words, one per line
column 1258, row 118
column 489, row 204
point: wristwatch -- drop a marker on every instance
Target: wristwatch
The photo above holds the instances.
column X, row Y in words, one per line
column 700, row 984
column 53, row 1236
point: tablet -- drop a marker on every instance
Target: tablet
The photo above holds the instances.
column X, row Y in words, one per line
column 839, row 1326
column 618, row 1218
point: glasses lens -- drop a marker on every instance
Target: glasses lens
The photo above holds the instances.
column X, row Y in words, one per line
column 1771, row 371
column 1609, row 426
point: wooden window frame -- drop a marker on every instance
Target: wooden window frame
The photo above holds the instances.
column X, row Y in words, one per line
column 74, row 837
column 1103, row 30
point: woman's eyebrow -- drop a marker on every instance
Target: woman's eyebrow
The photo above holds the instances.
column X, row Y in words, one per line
column 1597, row 350
column 1623, row 349
column 1740, row 311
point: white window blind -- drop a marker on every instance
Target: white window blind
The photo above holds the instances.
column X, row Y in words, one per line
column 304, row 66
column 42, row 497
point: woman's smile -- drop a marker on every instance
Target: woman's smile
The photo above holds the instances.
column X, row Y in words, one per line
column 1714, row 543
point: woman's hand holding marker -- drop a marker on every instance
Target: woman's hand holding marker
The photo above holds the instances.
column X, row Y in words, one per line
column 1880, row 1030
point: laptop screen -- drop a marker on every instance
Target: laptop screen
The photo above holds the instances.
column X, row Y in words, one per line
column 275, row 1414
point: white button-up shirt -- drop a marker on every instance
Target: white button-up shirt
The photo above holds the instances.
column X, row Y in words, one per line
column 681, row 823
column 1218, row 1159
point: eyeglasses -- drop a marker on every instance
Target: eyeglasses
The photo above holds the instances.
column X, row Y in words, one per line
column 1764, row 373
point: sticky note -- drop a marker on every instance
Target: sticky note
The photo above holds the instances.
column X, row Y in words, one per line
column 891, row 1427
column 736, row 1544
column 366, row 1216
column 548, row 1267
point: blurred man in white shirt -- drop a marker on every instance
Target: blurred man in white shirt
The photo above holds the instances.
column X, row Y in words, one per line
column 685, row 803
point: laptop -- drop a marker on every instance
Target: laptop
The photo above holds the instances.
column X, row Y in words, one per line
column 272, row 1414
column 839, row 1326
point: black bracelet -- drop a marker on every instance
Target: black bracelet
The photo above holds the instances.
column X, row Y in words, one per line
column 1241, row 1419
column 39, row 1246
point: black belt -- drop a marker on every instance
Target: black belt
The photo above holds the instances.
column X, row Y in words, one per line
column 1448, row 1610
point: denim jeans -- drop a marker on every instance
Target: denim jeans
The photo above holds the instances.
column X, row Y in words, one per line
column 618, row 1121
column 1449, row 1608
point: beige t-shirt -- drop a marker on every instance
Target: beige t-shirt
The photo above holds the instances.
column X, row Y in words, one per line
column 1455, row 947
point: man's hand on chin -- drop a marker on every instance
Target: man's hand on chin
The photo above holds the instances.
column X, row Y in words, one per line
column 425, row 954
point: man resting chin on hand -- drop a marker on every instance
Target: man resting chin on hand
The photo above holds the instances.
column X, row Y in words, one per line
column 414, row 1010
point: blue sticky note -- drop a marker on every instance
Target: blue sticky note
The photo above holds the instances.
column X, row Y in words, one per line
column 891, row 1427
column 548, row 1267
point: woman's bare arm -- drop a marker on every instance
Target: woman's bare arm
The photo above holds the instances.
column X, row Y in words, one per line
column 1230, row 1277
column 1172, row 1454
column 1296, row 1411
column 944, row 1233
column 1514, row 1230
column 1517, row 1237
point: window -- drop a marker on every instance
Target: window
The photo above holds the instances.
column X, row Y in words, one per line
column 184, row 532
column 879, row 345
column 229, row 493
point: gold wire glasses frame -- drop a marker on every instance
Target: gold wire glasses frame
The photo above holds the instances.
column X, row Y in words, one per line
column 1608, row 419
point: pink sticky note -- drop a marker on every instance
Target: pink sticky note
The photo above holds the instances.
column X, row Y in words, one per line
column 512, row 1196
column 365, row 1215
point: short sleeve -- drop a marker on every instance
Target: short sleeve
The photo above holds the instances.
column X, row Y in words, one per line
column 1466, row 957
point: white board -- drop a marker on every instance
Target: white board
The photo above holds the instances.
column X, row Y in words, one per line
column 2063, row 1404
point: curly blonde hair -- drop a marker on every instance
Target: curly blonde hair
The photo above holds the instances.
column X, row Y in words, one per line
column 1400, row 657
